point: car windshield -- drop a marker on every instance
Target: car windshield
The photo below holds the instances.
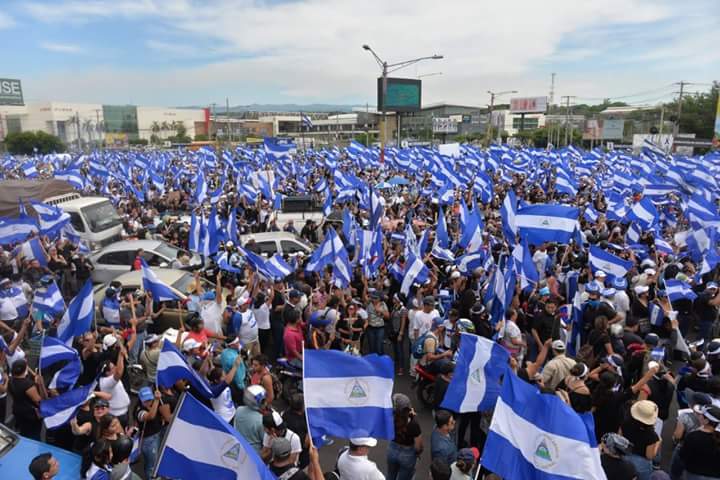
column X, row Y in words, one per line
column 168, row 251
column 101, row 216
column 182, row 283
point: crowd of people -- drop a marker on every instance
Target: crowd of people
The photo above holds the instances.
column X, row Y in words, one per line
column 652, row 385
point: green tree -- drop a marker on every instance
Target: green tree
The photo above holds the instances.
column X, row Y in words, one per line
column 201, row 137
column 698, row 112
column 26, row 143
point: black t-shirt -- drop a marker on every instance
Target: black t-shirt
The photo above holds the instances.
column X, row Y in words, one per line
column 631, row 337
column 608, row 412
column 278, row 471
column 407, row 437
column 639, row 434
column 662, row 393
column 83, row 441
column 23, row 406
column 543, row 323
column 277, row 300
column 297, row 423
column 703, row 309
column 441, row 386
column 598, row 339
column 151, row 427
column 617, row 468
column 90, row 368
column 701, row 454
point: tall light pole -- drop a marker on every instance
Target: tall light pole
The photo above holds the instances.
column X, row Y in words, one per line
column 492, row 104
column 389, row 68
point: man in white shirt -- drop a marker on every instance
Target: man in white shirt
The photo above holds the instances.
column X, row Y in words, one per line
column 422, row 320
column 353, row 464
column 539, row 258
column 110, row 382
column 275, row 427
column 621, row 300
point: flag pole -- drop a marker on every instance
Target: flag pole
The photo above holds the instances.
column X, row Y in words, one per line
column 167, row 432
column 307, row 419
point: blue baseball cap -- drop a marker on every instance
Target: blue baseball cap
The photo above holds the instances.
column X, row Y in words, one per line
column 145, row 394
column 620, row 283
column 208, row 296
column 592, row 287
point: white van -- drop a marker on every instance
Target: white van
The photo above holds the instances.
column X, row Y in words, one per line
column 94, row 218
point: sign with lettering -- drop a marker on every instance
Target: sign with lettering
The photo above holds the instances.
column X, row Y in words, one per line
column 11, row 92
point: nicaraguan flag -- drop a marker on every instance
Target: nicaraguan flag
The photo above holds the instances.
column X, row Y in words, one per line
column 306, row 121
column 51, row 219
column 29, row 169
column 643, row 213
column 200, row 444
column 32, row 250
column 607, row 262
column 13, row 230
column 57, row 411
column 160, row 291
column 79, row 315
column 678, row 290
column 524, row 265
column 547, row 223
column 348, row 396
column 415, row 273
column 49, row 300
column 538, row 436
column 327, row 206
column 281, row 267
column 508, row 212
column 53, row 351
column 172, row 367
column 475, row 384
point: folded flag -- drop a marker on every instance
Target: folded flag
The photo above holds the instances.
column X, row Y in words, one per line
column 172, row 367
column 538, row 436
column 200, row 444
column 161, row 292
column 79, row 315
column 57, row 411
column 348, row 396
column 475, row 384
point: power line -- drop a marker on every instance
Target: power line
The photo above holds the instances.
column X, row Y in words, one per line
column 646, row 92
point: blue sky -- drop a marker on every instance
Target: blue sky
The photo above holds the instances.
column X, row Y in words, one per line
column 189, row 52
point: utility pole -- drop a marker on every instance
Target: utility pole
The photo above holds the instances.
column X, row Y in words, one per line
column 552, row 88
column 227, row 116
column 567, row 118
column 492, row 105
column 676, row 128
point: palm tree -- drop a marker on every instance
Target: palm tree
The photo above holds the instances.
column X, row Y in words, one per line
column 89, row 128
column 164, row 127
column 155, row 127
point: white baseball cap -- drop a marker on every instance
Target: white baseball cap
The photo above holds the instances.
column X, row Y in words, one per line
column 190, row 343
column 363, row 441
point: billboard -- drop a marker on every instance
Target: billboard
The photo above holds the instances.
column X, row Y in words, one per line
column 11, row 92
column 717, row 123
column 528, row 105
column 444, row 125
column 612, row 129
column 403, row 95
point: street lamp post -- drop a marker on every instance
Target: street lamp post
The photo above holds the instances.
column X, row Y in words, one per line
column 492, row 104
column 389, row 68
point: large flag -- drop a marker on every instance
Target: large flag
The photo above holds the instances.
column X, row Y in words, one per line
column 524, row 265
column 49, row 300
column 200, row 444
column 52, row 219
column 475, row 385
column 57, row 411
column 415, row 273
column 161, row 292
column 508, row 212
column 547, row 223
column 678, row 290
column 348, row 396
column 172, row 367
column 79, row 315
column 536, row 436
column 32, row 250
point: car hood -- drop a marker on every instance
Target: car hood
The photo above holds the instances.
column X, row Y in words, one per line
column 14, row 464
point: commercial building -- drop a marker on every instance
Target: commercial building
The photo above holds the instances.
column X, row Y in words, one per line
column 443, row 118
column 331, row 129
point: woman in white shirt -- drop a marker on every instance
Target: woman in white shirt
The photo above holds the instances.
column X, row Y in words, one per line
column 220, row 384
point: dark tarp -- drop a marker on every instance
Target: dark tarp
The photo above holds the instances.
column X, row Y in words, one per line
column 12, row 191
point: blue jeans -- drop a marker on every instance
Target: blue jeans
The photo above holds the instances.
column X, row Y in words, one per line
column 135, row 350
column 401, row 462
column 642, row 465
column 376, row 336
column 150, row 448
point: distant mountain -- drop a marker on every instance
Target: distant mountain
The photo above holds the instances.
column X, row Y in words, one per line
column 283, row 108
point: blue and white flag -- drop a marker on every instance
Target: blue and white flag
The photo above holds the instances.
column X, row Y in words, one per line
column 643, row 213
column 201, row 189
column 49, row 300
column 13, row 230
column 416, row 273
column 29, row 169
column 282, row 268
column 306, row 121
column 538, row 436
column 524, row 265
column 53, row 351
column 679, row 290
column 508, row 212
column 57, row 411
column 161, row 292
column 51, row 219
column 348, row 396
column 607, row 262
column 224, row 453
column 33, row 250
column 79, row 315
column 547, row 223
column 475, row 384
column 172, row 367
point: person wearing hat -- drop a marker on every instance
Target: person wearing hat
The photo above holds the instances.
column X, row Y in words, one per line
column 433, row 357
column 378, row 314
column 249, row 416
column 540, row 258
column 706, row 310
column 713, row 355
column 275, row 427
column 613, row 448
column 110, row 382
column 407, row 445
column 639, row 429
column 151, row 425
column 621, row 300
column 601, row 276
column 211, row 312
column 700, row 451
column 545, row 325
column 44, row 467
column 462, row 468
column 283, row 468
column 150, row 356
column 688, row 420
column 229, row 362
column 640, row 308
column 558, row 368
column 354, row 464
column 245, row 325
column 594, row 307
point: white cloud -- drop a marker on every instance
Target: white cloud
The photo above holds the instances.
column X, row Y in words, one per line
column 61, row 47
column 311, row 50
column 6, row 21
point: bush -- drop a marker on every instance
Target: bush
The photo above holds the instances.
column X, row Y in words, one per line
column 25, row 143
column 140, row 141
column 201, row 137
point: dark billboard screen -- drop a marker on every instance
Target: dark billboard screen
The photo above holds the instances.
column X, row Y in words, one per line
column 403, row 95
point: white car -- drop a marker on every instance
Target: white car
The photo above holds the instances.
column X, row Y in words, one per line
column 117, row 258
column 268, row 244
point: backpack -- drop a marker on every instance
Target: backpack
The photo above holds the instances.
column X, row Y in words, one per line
column 418, row 347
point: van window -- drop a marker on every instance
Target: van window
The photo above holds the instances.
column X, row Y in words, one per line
column 76, row 222
column 301, row 204
column 290, row 247
column 269, row 248
column 117, row 258
column 101, row 216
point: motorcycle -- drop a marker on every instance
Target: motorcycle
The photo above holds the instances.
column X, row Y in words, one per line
column 290, row 375
column 425, row 385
